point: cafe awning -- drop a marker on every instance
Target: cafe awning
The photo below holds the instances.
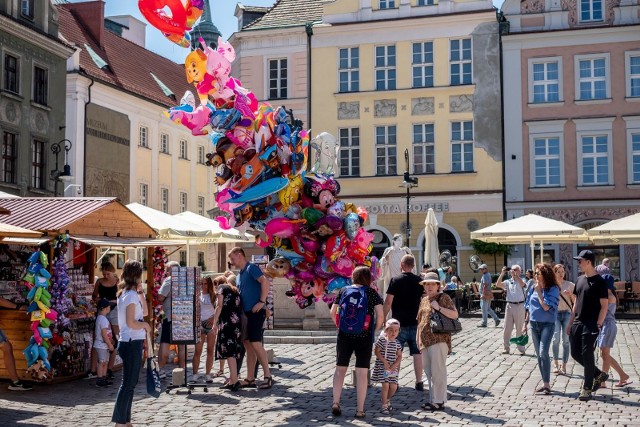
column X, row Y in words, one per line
column 620, row 231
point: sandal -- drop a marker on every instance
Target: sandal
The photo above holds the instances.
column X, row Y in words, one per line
column 267, row 383
column 360, row 414
column 544, row 390
column 556, row 370
column 624, row 383
column 433, row 406
column 335, row 409
column 220, row 373
column 247, row 383
column 385, row 410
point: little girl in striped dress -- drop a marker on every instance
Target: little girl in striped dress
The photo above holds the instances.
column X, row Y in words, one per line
column 388, row 353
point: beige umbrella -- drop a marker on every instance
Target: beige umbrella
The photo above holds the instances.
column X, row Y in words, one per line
column 431, row 252
column 620, row 231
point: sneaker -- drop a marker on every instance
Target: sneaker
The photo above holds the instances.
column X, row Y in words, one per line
column 585, row 394
column 597, row 381
column 497, row 323
column 208, row 378
column 90, row 375
column 110, row 375
column 482, row 325
column 505, row 352
column 102, row 382
column 19, row 386
column 420, row 386
column 195, row 378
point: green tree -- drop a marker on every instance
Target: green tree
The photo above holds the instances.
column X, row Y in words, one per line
column 494, row 249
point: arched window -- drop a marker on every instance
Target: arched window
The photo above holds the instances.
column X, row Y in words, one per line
column 447, row 241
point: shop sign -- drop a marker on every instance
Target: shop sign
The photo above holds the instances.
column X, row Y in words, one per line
column 397, row 208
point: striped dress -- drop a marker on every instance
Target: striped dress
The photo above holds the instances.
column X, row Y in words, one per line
column 388, row 350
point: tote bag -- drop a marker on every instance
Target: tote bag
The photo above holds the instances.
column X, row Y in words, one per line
column 154, row 386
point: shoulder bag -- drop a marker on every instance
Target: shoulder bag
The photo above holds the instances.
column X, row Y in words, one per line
column 441, row 324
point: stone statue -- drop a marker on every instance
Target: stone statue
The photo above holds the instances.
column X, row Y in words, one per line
column 390, row 262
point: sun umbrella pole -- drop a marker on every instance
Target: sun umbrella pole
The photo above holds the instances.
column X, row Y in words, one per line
column 533, row 255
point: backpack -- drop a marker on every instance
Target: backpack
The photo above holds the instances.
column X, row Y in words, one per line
column 353, row 310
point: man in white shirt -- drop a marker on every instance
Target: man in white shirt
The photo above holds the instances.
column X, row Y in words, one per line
column 515, row 295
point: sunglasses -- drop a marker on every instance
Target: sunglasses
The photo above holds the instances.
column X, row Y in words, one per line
column 537, row 273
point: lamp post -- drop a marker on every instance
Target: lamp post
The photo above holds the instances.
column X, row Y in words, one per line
column 408, row 182
column 65, row 174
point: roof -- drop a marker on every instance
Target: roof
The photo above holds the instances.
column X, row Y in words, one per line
column 253, row 9
column 50, row 213
column 289, row 13
column 129, row 65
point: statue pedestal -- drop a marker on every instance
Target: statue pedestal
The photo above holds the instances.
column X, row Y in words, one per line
column 310, row 322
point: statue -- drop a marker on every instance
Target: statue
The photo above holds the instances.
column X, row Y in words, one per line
column 390, row 262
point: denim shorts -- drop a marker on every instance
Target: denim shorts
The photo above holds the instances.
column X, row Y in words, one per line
column 3, row 337
column 408, row 335
column 103, row 355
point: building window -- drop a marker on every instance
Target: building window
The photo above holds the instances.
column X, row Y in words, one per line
column 386, row 4
column 200, row 205
column 385, row 67
column 164, row 200
column 26, row 8
column 633, row 74
column 635, row 157
column 201, row 156
column 144, row 137
column 164, row 143
column 349, row 69
column 37, row 164
column 422, row 64
column 386, row 150
column 183, row 258
column 545, row 83
column 183, row 149
column 9, row 145
column 11, row 74
column 423, row 148
column 590, row 10
column 278, row 78
column 40, row 85
column 201, row 260
column 426, row 2
column 144, row 194
column 350, row 152
column 593, row 79
column 460, row 62
column 595, row 159
column 546, row 161
column 462, row 146
column 183, row 201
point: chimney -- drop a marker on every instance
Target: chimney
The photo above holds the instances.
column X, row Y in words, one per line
column 91, row 15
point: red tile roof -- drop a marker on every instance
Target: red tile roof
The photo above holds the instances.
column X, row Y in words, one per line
column 289, row 13
column 130, row 65
column 50, row 214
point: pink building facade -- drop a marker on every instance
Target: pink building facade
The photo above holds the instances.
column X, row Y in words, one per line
column 571, row 75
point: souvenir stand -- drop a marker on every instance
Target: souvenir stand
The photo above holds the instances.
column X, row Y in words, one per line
column 89, row 223
column 185, row 314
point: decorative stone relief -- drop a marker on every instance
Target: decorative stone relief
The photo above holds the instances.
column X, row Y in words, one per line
column 385, row 108
column 39, row 122
column 571, row 7
column 472, row 224
column 348, row 110
column 11, row 112
column 422, row 106
column 531, row 6
column 460, row 103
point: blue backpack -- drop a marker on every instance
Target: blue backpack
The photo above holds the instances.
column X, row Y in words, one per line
column 353, row 310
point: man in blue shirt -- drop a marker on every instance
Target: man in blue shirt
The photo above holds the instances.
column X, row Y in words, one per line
column 254, row 288
column 486, row 296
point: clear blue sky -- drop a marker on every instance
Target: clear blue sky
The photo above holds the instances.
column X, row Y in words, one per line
column 221, row 12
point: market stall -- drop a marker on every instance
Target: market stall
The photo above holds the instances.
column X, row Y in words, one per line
column 72, row 230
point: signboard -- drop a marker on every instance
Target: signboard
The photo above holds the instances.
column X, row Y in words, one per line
column 185, row 305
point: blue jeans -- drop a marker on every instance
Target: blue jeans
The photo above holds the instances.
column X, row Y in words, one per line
column 562, row 322
column 131, row 354
column 486, row 311
column 542, row 333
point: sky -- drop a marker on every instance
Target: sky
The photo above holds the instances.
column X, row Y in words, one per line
column 221, row 12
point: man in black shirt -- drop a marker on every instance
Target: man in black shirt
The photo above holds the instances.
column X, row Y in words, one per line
column 586, row 321
column 403, row 300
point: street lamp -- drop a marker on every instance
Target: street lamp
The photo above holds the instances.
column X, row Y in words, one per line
column 408, row 182
column 65, row 174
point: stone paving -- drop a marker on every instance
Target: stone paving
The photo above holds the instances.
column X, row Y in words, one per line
column 485, row 388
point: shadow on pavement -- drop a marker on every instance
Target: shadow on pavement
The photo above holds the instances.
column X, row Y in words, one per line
column 14, row 417
column 467, row 393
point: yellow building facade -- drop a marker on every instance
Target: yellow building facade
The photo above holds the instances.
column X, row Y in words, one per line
column 390, row 76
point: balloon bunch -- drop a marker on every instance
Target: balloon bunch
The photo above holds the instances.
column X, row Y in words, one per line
column 176, row 25
column 60, row 299
column 36, row 279
column 159, row 261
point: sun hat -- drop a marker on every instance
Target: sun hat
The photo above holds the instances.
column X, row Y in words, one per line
column 430, row 278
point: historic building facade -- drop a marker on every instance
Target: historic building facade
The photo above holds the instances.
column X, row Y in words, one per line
column 572, row 117
column 32, row 118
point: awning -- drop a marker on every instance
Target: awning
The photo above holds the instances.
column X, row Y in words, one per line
column 8, row 230
column 126, row 242
column 28, row 241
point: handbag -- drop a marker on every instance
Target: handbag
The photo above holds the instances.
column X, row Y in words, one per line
column 154, row 386
column 441, row 324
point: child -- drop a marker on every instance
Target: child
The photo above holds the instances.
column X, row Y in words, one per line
column 103, row 341
column 388, row 357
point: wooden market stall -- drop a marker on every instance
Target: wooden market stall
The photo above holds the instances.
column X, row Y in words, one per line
column 91, row 223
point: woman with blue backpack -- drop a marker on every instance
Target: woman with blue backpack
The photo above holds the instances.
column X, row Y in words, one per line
column 354, row 308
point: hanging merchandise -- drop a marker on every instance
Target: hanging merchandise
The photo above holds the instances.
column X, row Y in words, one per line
column 60, row 293
column 159, row 261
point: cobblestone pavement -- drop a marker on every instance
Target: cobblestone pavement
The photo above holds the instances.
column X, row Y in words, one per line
column 485, row 388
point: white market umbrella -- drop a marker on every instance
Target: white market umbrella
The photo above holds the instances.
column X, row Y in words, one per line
column 224, row 236
column 168, row 226
column 531, row 229
column 431, row 251
column 620, row 231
